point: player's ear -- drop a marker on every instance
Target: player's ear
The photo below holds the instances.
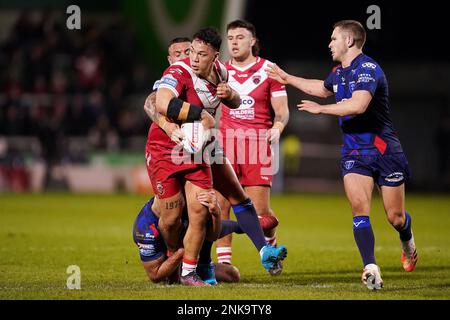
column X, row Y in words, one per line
column 350, row 41
column 253, row 42
column 168, row 59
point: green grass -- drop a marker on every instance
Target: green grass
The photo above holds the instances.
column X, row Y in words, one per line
column 42, row 234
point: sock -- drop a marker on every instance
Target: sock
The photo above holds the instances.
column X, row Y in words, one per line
column 224, row 254
column 365, row 240
column 205, row 253
column 229, row 226
column 188, row 266
column 248, row 220
column 405, row 231
column 272, row 240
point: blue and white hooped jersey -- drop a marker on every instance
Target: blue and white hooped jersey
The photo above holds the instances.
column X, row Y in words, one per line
column 372, row 132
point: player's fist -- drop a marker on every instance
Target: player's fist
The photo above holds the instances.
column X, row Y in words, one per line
column 224, row 91
column 174, row 132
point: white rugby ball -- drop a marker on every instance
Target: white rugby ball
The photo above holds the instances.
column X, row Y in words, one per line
column 194, row 136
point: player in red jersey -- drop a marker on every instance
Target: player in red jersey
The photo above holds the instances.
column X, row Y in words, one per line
column 199, row 88
column 255, row 125
column 186, row 89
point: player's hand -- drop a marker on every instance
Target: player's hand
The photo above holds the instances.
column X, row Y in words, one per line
column 174, row 132
column 209, row 200
column 207, row 120
column 276, row 73
column 310, row 106
column 274, row 135
column 224, row 91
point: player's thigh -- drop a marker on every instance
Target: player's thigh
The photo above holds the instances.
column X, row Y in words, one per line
column 171, row 208
column 260, row 196
column 227, row 183
column 394, row 203
column 358, row 189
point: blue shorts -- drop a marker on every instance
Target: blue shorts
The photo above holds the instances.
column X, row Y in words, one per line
column 390, row 170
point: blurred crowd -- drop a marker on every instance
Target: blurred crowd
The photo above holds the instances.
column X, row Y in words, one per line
column 57, row 82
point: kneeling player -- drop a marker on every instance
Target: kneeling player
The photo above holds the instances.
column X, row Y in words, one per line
column 153, row 251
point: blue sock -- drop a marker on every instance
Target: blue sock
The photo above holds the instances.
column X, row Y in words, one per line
column 205, row 253
column 248, row 221
column 405, row 231
column 229, row 226
column 365, row 240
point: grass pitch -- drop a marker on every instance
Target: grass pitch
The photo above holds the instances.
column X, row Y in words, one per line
column 42, row 234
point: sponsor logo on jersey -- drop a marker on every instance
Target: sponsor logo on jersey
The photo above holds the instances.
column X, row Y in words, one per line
column 146, row 250
column 349, row 164
column 246, row 102
column 156, row 85
column 242, row 75
column 169, row 80
column 369, row 65
column 335, row 88
column 365, row 78
column 394, row 177
column 245, row 110
column 160, row 188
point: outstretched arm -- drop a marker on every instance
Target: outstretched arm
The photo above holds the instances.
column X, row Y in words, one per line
column 357, row 104
column 310, row 86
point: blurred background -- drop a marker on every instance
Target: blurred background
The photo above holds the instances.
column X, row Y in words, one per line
column 71, row 115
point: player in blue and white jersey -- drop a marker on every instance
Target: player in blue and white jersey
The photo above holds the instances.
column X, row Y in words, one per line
column 371, row 151
column 161, row 264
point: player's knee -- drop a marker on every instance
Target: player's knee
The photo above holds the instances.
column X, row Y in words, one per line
column 169, row 222
column 360, row 206
column 396, row 218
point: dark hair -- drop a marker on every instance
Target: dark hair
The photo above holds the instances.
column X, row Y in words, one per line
column 210, row 36
column 179, row 40
column 355, row 28
column 250, row 27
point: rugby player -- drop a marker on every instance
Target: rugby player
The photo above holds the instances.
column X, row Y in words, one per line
column 201, row 81
column 371, row 151
column 254, row 126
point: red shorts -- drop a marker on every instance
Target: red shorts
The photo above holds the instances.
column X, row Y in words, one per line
column 168, row 178
column 251, row 160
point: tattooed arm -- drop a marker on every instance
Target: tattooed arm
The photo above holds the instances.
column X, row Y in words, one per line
column 170, row 128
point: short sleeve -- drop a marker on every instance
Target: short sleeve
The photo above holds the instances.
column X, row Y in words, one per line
column 328, row 83
column 366, row 77
column 277, row 89
column 174, row 79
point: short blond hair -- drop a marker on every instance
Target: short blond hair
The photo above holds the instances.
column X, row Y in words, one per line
column 355, row 28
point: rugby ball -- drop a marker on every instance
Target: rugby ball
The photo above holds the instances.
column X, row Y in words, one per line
column 195, row 136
